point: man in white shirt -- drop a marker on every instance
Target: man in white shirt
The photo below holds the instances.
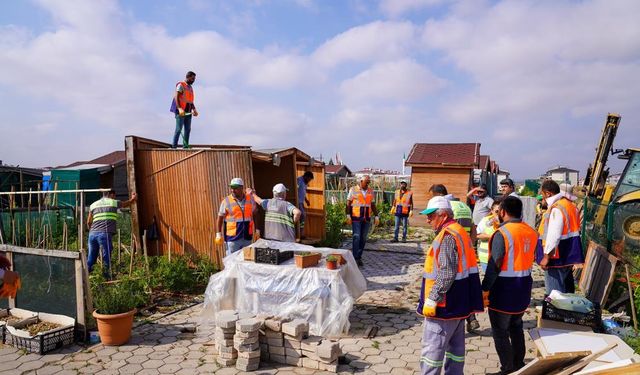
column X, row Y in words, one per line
column 560, row 235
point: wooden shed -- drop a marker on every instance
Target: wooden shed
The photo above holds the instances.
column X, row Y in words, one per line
column 273, row 166
column 450, row 164
column 181, row 190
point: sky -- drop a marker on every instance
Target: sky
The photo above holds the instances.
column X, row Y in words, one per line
column 531, row 80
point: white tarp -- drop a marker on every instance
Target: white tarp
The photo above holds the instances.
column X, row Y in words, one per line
column 321, row 296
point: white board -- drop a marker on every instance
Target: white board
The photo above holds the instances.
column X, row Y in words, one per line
column 557, row 342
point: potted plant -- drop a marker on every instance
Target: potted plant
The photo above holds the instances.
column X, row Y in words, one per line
column 115, row 305
column 332, row 262
column 341, row 259
column 306, row 259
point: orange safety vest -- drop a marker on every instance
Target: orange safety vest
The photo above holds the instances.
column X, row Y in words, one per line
column 361, row 205
column 402, row 202
column 186, row 96
column 569, row 249
column 511, row 292
column 465, row 295
column 238, row 223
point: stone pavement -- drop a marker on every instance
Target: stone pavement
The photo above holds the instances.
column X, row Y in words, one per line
column 392, row 271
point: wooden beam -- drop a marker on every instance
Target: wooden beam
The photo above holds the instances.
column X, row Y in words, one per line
column 42, row 252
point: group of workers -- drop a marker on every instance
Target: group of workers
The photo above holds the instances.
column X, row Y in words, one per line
column 452, row 291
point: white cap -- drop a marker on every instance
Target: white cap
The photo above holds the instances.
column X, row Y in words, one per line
column 279, row 188
column 236, row 182
column 567, row 190
column 435, row 204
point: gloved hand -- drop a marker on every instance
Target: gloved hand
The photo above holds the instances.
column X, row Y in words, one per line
column 429, row 308
column 376, row 221
column 180, row 112
column 218, row 238
column 411, row 213
column 485, row 298
column 348, row 221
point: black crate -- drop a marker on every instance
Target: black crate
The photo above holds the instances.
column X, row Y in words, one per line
column 591, row 319
column 42, row 343
column 271, row 256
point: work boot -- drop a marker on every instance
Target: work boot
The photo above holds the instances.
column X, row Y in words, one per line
column 359, row 263
column 472, row 324
column 404, row 240
column 394, row 240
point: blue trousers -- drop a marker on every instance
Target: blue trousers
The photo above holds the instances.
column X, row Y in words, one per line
column 442, row 346
column 182, row 121
column 560, row 279
column 405, row 224
column 99, row 240
column 360, row 233
column 233, row 246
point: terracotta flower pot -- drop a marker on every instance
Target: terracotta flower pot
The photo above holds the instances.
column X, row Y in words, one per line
column 332, row 265
column 304, row 261
column 341, row 259
column 114, row 329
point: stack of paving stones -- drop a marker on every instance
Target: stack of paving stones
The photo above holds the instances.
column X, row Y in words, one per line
column 290, row 343
column 246, row 343
column 224, row 333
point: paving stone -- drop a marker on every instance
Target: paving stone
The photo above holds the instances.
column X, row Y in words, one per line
column 248, row 325
column 152, row 364
column 131, row 368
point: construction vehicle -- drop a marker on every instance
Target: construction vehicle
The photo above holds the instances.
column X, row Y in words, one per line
column 611, row 214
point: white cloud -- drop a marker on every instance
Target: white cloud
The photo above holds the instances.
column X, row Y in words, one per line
column 402, row 80
column 376, row 41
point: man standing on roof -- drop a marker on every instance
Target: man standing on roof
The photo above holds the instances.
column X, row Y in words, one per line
column 183, row 107
column 507, row 283
column 280, row 217
column 102, row 224
column 360, row 206
column 235, row 218
column 303, row 181
column 450, row 291
column 402, row 207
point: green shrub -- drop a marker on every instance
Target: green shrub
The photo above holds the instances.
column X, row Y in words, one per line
column 118, row 296
column 335, row 222
column 182, row 274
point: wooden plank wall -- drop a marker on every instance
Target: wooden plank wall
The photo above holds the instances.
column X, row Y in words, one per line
column 266, row 176
column 315, row 224
column 456, row 180
column 183, row 189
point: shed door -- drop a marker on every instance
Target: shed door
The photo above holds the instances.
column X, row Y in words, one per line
column 314, row 228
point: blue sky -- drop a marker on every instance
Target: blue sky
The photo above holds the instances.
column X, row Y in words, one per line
column 530, row 80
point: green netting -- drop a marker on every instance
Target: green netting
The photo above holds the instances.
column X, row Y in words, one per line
column 48, row 284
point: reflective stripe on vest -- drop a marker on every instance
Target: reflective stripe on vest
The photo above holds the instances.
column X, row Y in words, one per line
column 511, row 292
column 464, row 296
column 186, row 96
column 104, row 209
column 361, row 205
column 569, row 249
column 402, row 201
column 236, row 219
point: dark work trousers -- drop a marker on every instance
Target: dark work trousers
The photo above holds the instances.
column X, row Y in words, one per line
column 182, row 122
column 509, row 339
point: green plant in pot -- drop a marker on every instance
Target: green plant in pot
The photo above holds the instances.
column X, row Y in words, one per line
column 332, row 262
column 115, row 305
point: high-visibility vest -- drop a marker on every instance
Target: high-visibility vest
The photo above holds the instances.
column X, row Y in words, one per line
column 462, row 214
column 104, row 213
column 569, row 249
column 186, row 96
column 238, row 223
column 361, row 205
column 465, row 295
column 402, row 202
column 483, row 245
column 511, row 292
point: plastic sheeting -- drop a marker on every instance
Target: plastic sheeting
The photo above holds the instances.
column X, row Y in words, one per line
column 321, row 296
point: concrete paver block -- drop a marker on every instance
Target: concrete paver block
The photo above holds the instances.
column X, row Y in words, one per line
column 248, row 325
column 295, row 327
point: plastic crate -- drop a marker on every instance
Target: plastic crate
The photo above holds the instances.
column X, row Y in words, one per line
column 271, row 256
column 591, row 319
column 44, row 342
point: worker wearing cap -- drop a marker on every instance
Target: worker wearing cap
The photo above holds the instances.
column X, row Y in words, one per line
column 102, row 224
column 360, row 206
column 402, row 208
column 462, row 215
column 280, row 217
column 507, row 282
column 560, row 239
column 183, row 107
column 303, row 182
column 450, row 291
column 235, row 218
